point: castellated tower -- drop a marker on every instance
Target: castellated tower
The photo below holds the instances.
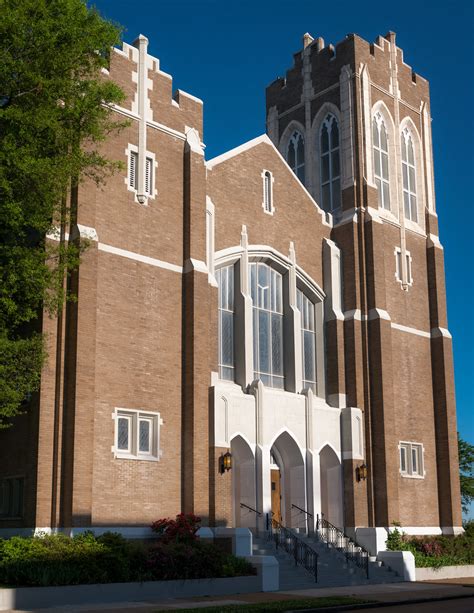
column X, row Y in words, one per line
column 353, row 121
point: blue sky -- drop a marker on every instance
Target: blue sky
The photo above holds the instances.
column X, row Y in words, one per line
column 226, row 52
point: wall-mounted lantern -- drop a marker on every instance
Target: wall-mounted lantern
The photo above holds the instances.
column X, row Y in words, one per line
column 361, row 472
column 225, row 462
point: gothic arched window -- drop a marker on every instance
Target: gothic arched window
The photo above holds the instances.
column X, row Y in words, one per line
column 295, row 155
column 409, row 176
column 330, row 164
column 381, row 170
column 267, row 298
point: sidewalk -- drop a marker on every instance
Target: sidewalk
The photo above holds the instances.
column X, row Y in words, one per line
column 392, row 592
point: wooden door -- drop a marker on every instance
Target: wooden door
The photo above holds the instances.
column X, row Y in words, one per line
column 276, row 494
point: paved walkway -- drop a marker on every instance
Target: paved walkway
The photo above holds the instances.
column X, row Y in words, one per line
column 394, row 592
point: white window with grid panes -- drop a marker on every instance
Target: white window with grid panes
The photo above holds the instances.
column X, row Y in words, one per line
column 308, row 340
column 267, row 298
column 381, row 166
column 295, row 155
column 330, row 164
column 137, row 435
column 225, row 282
column 409, row 176
column 411, row 460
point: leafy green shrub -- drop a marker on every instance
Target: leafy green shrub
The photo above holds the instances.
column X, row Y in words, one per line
column 61, row 560
column 435, row 551
column 199, row 560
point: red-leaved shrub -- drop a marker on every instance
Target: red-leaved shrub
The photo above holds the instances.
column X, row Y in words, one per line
column 183, row 529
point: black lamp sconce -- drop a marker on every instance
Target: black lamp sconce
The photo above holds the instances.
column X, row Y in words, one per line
column 225, row 462
column 361, row 472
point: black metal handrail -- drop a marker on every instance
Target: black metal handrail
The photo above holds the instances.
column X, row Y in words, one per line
column 246, row 506
column 353, row 552
column 302, row 553
column 307, row 513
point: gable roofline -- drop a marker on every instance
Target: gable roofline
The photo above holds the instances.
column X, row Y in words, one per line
column 265, row 139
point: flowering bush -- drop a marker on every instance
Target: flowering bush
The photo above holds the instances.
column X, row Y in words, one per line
column 183, row 529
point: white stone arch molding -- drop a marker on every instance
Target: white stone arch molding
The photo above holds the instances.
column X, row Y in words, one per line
column 315, row 153
column 408, row 123
column 293, row 126
column 281, row 263
column 245, row 438
column 292, row 435
column 381, row 107
column 331, row 446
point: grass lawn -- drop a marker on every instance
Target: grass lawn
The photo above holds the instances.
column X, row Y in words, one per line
column 300, row 604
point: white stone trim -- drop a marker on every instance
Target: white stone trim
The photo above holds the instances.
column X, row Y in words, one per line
column 433, row 241
column 139, row 258
column 154, row 165
column 332, row 266
column 196, row 265
column 190, row 96
column 409, row 269
column 193, row 141
column 378, row 314
column 417, row 530
column 436, row 332
column 328, row 108
column 410, row 330
column 408, row 124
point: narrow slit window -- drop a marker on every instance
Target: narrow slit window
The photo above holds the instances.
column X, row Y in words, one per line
column 225, row 281
column 132, row 174
column 267, row 192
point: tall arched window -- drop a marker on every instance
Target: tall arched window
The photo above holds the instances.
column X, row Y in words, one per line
column 267, row 298
column 295, row 155
column 409, row 176
column 225, row 281
column 330, row 164
column 381, row 171
column 308, row 340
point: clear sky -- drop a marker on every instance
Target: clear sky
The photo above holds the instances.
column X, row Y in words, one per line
column 227, row 51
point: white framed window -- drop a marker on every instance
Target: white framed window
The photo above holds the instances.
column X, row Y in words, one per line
column 225, row 282
column 267, row 298
column 137, row 435
column 381, row 162
column 308, row 340
column 295, row 154
column 267, row 203
column 132, row 171
column 398, row 266
column 330, row 164
column 409, row 176
column 11, row 497
column 411, row 460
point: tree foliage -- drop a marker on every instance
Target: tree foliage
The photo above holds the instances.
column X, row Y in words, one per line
column 466, row 472
column 55, row 111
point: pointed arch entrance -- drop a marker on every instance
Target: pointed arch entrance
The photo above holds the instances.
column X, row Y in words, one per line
column 243, row 482
column 331, row 486
column 289, row 462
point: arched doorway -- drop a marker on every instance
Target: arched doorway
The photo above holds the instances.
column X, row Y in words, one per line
column 289, row 463
column 243, row 483
column 331, row 486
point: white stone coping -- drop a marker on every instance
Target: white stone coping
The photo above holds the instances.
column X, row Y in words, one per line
column 445, row 572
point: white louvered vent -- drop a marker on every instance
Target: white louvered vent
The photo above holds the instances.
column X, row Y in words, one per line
column 132, row 175
column 149, row 176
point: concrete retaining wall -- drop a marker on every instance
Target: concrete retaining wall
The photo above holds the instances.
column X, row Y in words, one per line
column 45, row 597
column 444, row 572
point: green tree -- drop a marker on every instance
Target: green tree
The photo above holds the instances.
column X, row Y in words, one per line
column 466, row 472
column 55, row 111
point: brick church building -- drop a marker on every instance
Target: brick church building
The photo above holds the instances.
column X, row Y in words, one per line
column 259, row 334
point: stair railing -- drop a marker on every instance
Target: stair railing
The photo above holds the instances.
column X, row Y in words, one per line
column 301, row 552
column 307, row 518
column 336, row 538
column 246, row 506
